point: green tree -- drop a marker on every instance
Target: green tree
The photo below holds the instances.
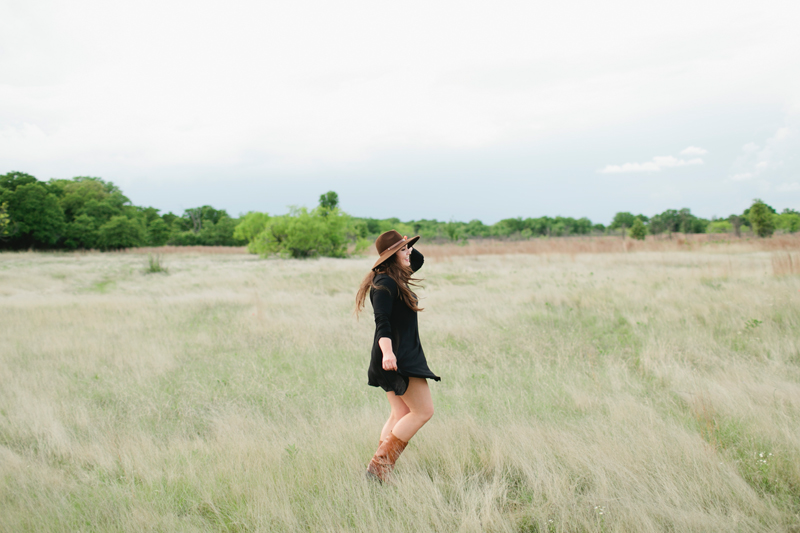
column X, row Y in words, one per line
column 736, row 223
column 38, row 220
column 507, row 227
column 203, row 226
column 638, row 230
column 220, row 233
column 81, row 233
column 746, row 214
column 12, row 180
column 760, row 217
column 453, row 230
column 476, row 228
column 120, row 232
column 788, row 221
column 622, row 220
column 329, row 200
column 249, row 227
column 158, row 232
column 582, row 226
column 75, row 193
column 672, row 221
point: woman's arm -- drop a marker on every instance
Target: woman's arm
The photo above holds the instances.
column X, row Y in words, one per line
column 382, row 301
column 416, row 259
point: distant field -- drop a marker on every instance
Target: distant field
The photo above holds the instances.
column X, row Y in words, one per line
column 654, row 390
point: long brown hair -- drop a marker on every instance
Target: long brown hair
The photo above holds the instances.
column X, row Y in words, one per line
column 401, row 275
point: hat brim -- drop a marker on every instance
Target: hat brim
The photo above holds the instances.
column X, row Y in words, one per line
column 390, row 251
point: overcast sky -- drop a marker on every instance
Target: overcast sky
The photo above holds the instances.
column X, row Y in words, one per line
column 447, row 110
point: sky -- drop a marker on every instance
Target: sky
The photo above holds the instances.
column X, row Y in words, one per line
column 436, row 109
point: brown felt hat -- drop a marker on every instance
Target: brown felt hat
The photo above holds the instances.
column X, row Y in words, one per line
column 388, row 243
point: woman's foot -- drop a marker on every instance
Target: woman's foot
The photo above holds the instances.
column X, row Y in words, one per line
column 382, row 463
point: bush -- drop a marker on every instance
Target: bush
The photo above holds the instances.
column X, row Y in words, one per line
column 184, row 238
column 154, row 265
column 787, row 222
column 719, row 226
column 638, row 231
column 303, row 233
column 249, row 227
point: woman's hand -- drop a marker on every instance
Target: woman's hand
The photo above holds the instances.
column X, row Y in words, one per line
column 389, row 361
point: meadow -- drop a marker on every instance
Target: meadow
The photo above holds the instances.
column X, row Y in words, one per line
column 650, row 389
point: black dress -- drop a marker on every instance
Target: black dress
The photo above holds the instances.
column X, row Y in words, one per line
column 395, row 320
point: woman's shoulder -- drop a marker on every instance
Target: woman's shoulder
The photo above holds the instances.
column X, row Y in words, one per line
column 385, row 280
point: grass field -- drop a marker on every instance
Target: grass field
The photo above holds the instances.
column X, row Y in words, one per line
column 646, row 391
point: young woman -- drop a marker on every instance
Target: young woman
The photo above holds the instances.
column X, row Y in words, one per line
column 398, row 363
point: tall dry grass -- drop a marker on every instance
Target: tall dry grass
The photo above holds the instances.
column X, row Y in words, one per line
column 785, row 263
column 609, row 244
column 655, row 391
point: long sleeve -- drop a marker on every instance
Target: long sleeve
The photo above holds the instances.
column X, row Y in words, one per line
column 416, row 259
column 382, row 301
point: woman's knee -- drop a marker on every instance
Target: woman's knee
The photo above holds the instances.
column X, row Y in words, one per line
column 425, row 413
column 399, row 412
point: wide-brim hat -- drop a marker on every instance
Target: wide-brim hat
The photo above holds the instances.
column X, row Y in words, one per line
column 390, row 242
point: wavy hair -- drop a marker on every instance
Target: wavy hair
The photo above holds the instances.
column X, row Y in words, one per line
column 401, row 275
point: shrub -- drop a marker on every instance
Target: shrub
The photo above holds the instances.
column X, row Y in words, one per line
column 719, row 226
column 303, row 233
column 249, row 227
column 154, row 265
column 638, row 231
column 760, row 217
column 787, row 222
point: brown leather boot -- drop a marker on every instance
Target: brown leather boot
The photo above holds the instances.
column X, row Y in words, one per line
column 382, row 462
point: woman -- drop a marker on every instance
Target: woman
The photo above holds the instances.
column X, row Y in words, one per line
column 398, row 363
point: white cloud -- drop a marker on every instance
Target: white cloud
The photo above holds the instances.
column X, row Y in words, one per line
column 782, row 134
column 789, row 187
column 744, row 176
column 694, row 150
column 670, row 161
column 750, row 148
column 630, row 167
column 656, row 165
column 174, row 82
column 757, row 160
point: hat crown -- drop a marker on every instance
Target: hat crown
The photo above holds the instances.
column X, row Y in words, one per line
column 386, row 240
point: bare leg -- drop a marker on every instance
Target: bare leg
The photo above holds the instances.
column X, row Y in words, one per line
column 409, row 413
column 420, row 409
column 399, row 410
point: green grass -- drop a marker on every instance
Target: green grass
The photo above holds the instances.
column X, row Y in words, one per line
column 231, row 396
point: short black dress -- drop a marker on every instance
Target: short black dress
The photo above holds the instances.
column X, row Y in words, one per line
column 395, row 320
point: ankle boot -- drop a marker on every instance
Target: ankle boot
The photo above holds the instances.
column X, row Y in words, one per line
column 382, row 462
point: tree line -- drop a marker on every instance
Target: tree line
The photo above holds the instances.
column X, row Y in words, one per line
column 90, row 213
